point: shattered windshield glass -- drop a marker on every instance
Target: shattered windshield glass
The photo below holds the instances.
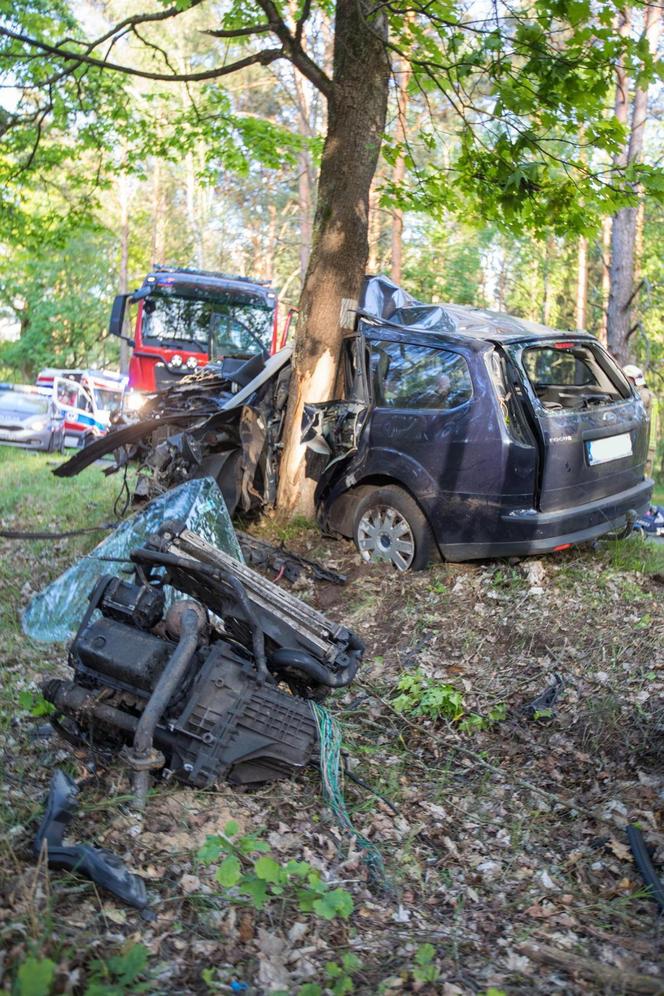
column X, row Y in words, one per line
column 56, row 612
column 223, row 325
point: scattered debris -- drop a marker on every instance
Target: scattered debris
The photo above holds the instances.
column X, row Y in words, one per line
column 543, row 706
column 191, row 690
column 207, row 425
column 589, row 968
column 644, row 863
column 103, row 867
column 284, row 562
column 651, row 523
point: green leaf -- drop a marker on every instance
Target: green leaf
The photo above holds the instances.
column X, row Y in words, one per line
column 229, row 871
column 351, row 962
column 250, row 843
column 310, row 989
column 338, row 902
column 268, row 870
column 256, row 889
column 425, row 954
column 298, row 868
column 211, row 849
column 231, row 828
column 129, row 965
column 35, row 977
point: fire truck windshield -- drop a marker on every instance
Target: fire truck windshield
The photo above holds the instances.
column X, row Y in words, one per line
column 220, row 326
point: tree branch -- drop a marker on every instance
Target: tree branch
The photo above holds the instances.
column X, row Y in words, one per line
column 253, row 29
column 293, row 50
column 263, row 58
column 130, row 22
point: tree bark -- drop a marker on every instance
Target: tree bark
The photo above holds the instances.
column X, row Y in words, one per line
column 123, row 281
column 581, row 283
column 606, row 275
column 403, row 70
column 305, row 181
column 623, row 229
column 192, row 213
column 357, row 107
column 157, row 214
column 548, row 266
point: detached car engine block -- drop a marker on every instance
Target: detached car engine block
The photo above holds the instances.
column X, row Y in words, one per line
column 215, row 686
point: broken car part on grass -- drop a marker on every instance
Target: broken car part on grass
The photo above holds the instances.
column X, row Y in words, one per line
column 454, row 431
column 187, row 665
column 223, row 424
column 192, row 691
column 95, row 863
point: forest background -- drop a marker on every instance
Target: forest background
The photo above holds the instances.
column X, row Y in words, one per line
column 225, row 179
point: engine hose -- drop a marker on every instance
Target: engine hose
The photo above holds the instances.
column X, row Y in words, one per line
column 644, row 864
column 191, row 623
column 302, row 663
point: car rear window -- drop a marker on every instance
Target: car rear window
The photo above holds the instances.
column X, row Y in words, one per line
column 23, row 404
column 573, row 375
column 404, row 375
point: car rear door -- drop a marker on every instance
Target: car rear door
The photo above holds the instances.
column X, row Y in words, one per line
column 593, row 430
column 421, row 428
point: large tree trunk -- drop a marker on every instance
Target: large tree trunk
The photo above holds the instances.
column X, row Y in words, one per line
column 357, row 108
column 305, row 181
column 581, row 283
column 623, row 230
column 123, row 276
column 606, row 275
column 403, row 70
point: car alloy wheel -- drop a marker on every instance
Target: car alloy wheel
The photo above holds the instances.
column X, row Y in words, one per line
column 383, row 533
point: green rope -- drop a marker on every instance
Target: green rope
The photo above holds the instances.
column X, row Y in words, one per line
column 329, row 738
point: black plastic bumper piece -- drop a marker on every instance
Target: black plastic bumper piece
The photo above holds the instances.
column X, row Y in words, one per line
column 101, row 866
column 644, row 864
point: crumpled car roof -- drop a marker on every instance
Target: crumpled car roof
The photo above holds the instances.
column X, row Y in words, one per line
column 384, row 301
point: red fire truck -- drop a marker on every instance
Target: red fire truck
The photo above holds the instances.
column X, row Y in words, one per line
column 186, row 318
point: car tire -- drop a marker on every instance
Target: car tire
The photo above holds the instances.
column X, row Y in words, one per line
column 389, row 526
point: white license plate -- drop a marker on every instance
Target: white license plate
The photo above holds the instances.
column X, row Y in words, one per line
column 609, row 448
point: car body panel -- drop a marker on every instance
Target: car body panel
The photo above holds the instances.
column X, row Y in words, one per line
column 487, row 486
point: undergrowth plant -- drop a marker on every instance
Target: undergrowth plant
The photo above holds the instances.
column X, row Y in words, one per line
column 420, row 695
column 124, row 974
column 250, row 874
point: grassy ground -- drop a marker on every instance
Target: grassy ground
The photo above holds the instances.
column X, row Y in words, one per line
column 509, row 838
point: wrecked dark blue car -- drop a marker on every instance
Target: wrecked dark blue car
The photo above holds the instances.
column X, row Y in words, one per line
column 473, row 434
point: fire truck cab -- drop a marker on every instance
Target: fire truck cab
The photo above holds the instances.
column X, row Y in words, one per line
column 186, row 318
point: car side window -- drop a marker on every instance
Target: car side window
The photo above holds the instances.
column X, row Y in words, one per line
column 404, row 375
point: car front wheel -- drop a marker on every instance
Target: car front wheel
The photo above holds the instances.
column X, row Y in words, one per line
column 390, row 526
